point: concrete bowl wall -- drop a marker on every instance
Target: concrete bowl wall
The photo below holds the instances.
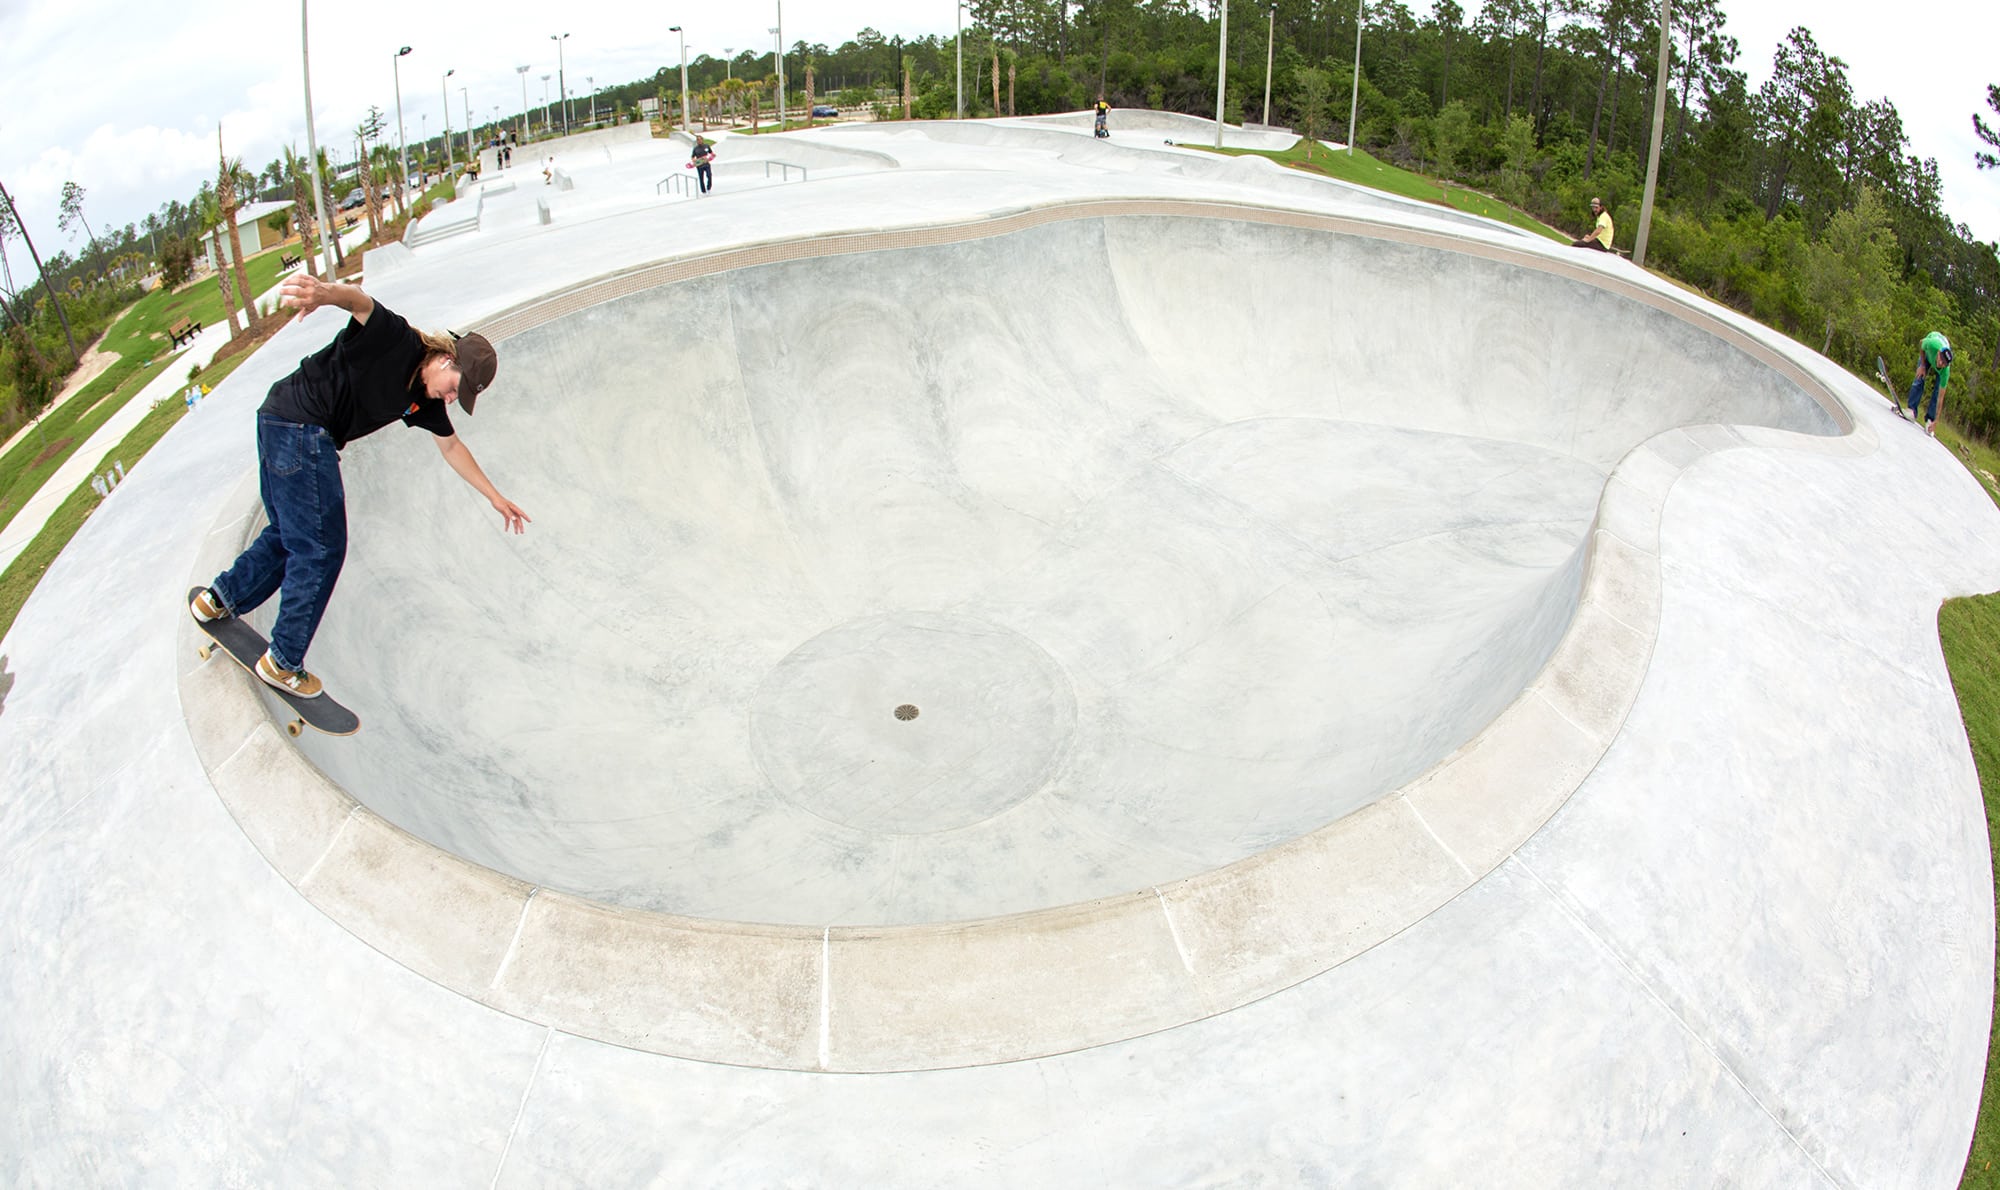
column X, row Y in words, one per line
column 1243, row 332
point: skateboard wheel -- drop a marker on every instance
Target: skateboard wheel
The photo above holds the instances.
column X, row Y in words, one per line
column 295, row 727
column 207, row 651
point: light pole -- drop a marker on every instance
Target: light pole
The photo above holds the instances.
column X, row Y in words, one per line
column 1659, row 128
column 676, row 29
column 1270, row 44
column 312, row 149
column 728, row 63
column 591, row 82
column 1354, row 103
column 444, row 94
column 545, row 106
column 562, row 84
column 778, row 67
column 958, row 12
column 780, row 31
column 470, row 156
column 521, row 125
column 402, row 150
column 1221, row 72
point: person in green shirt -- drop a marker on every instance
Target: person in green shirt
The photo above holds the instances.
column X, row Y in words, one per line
column 1599, row 236
column 1933, row 365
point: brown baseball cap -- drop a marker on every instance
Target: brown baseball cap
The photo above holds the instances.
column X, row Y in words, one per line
column 476, row 366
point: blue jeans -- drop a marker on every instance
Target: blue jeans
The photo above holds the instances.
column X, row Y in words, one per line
column 298, row 555
column 1917, row 394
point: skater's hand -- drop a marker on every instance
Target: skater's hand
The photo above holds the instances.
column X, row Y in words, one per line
column 516, row 521
column 305, row 293
column 302, row 292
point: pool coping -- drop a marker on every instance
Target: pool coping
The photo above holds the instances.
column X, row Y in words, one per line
column 917, row 997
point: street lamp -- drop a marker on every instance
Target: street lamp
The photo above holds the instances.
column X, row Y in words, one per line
column 676, row 29
column 1221, row 72
column 562, row 83
column 470, row 156
column 521, row 125
column 728, row 63
column 958, row 11
column 1354, row 104
column 591, row 82
column 780, row 31
column 545, row 105
column 1270, row 45
column 1659, row 127
column 444, row 94
column 778, row 64
column 312, row 152
column 402, row 150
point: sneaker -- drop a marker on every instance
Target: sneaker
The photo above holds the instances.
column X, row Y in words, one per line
column 296, row 681
column 1930, row 427
column 207, row 608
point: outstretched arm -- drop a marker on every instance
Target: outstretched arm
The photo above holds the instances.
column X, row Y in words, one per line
column 460, row 457
column 305, row 293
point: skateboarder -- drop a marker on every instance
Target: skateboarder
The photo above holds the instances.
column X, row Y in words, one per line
column 1102, row 127
column 1934, row 365
column 704, row 161
column 377, row 370
column 1599, row 236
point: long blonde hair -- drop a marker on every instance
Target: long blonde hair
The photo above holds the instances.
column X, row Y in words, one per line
column 435, row 343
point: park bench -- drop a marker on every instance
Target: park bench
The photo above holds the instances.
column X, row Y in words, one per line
column 183, row 330
column 289, row 262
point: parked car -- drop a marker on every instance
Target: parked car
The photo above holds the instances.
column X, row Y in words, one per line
column 821, row 109
column 354, row 199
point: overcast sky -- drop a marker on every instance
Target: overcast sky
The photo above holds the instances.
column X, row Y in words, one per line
column 125, row 98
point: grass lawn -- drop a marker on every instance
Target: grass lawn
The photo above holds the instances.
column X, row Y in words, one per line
column 18, row 581
column 1970, row 631
column 36, row 456
column 139, row 338
column 1364, row 170
column 141, row 333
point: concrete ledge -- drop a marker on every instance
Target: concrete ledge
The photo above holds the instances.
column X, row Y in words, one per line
column 1004, row 989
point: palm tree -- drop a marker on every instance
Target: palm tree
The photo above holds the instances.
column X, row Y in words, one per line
column 229, row 174
column 208, row 214
column 302, row 212
column 332, row 204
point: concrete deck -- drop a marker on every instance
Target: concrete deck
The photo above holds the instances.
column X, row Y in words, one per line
column 1535, row 764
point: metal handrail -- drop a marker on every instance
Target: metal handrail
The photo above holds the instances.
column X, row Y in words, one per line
column 787, row 167
column 680, row 178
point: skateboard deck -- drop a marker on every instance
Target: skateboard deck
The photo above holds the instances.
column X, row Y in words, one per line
column 1882, row 374
column 244, row 645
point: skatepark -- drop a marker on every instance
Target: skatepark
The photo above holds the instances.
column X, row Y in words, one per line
column 1037, row 659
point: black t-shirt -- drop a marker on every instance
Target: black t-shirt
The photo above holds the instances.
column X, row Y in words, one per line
column 360, row 382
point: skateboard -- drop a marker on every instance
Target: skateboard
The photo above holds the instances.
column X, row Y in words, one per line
column 1895, row 401
column 244, row 645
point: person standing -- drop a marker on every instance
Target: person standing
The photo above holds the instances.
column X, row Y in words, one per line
column 1103, row 127
column 704, row 159
column 377, row 370
column 1599, row 236
column 1934, row 366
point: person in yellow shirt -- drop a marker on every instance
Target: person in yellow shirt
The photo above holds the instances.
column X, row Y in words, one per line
column 1600, row 235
